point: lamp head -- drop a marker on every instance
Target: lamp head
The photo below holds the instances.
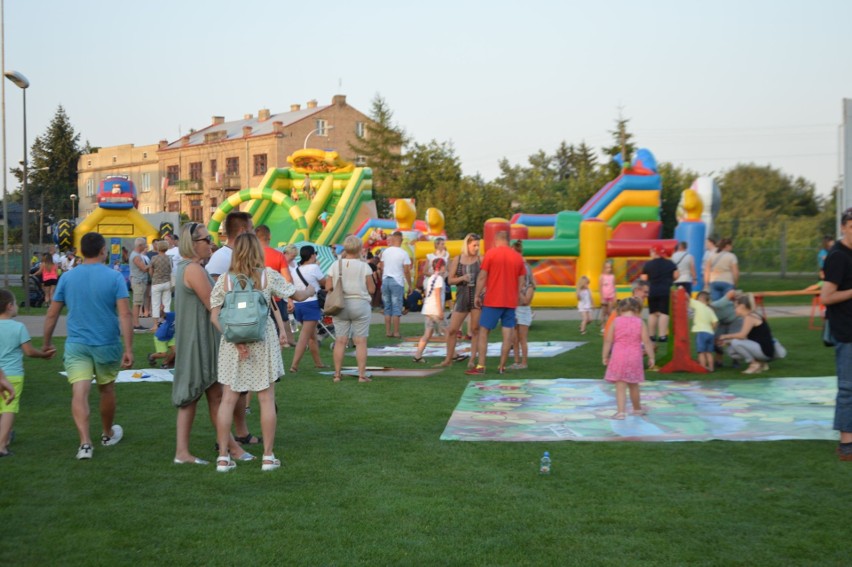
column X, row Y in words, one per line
column 18, row 79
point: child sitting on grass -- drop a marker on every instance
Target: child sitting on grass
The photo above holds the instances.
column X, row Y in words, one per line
column 433, row 306
column 624, row 341
column 704, row 324
column 413, row 301
column 14, row 344
column 164, row 340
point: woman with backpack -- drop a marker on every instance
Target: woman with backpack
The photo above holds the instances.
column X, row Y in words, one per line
column 250, row 366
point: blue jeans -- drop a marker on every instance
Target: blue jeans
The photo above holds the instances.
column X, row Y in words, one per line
column 718, row 289
column 843, row 405
column 392, row 296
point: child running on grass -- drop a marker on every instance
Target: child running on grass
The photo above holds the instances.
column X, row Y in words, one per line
column 623, row 344
column 607, row 290
column 584, row 303
column 14, row 344
column 704, row 324
column 433, row 306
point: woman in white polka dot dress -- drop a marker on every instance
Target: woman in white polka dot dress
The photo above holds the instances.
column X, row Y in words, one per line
column 251, row 367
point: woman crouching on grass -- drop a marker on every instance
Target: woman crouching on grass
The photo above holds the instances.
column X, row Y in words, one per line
column 754, row 342
column 250, row 367
column 624, row 341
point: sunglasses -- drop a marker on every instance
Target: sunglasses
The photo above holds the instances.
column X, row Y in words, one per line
column 208, row 239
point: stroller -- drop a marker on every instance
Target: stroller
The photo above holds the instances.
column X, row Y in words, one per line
column 325, row 326
column 35, row 292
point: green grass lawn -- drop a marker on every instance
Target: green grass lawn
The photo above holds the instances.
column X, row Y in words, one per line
column 366, row 481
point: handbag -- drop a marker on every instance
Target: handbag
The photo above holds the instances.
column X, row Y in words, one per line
column 827, row 338
column 334, row 299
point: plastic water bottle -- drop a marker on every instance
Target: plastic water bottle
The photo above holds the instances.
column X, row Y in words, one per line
column 544, row 467
column 292, row 321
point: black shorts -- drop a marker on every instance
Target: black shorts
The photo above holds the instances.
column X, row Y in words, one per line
column 658, row 304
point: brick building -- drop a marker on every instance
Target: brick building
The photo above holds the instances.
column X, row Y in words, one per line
column 194, row 174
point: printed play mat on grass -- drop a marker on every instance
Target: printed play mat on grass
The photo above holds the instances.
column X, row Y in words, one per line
column 141, row 375
column 536, row 349
column 581, row 410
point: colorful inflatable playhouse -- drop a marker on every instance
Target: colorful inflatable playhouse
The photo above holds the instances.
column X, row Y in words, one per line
column 116, row 216
column 320, row 199
column 621, row 222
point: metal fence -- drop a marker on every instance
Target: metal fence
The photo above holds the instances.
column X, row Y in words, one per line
column 774, row 246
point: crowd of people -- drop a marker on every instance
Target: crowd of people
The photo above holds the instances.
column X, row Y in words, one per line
column 186, row 282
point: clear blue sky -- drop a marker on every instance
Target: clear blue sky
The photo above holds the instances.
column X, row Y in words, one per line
column 705, row 85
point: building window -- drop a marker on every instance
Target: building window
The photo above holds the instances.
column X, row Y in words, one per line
column 89, row 163
column 214, row 169
column 213, row 203
column 260, row 164
column 360, row 161
column 195, row 212
column 114, row 159
column 174, row 206
column 322, row 127
column 232, row 166
column 173, row 174
column 146, row 182
column 147, row 209
column 195, row 171
column 360, row 130
column 90, row 188
column 144, row 155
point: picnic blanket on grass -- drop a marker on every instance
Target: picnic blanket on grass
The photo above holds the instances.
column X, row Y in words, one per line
column 536, row 349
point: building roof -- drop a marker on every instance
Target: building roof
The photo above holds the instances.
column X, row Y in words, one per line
column 234, row 129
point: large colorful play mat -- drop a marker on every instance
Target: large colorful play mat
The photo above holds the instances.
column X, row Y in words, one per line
column 581, row 410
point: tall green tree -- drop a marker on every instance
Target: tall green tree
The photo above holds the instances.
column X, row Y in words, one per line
column 52, row 174
column 751, row 191
column 382, row 147
column 621, row 141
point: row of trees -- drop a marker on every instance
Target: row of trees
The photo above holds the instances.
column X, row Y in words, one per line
column 431, row 173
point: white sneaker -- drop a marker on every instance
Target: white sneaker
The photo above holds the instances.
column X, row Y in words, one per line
column 117, row 434
column 84, row 452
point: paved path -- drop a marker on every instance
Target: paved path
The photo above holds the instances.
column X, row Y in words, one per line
column 35, row 323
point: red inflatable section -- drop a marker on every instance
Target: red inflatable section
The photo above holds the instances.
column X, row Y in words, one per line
column 519, row 232
column 492, row 227
column 555, row 272
column 650, row 230
column 681, row 360
column 633, row 248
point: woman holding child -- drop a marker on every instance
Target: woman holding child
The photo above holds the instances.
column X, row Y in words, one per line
column 463, row 272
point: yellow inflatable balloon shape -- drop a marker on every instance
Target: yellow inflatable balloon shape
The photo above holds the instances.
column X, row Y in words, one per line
column 435, row 221
column 690, row 206
column 404, row 213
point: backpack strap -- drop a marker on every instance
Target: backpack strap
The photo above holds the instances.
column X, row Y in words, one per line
column 301, row 277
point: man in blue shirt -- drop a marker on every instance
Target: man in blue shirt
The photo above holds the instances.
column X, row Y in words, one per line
column 99, row 320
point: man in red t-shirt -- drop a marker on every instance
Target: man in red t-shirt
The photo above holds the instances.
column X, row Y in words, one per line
column 278, row 262
column 501, row 277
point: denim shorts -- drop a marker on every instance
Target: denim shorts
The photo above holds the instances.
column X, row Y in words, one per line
column 491, row 315
column 392, row 296
column 307, row 311
column 705, row 342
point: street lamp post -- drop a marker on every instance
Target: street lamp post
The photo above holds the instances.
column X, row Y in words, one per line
column 22, row 83
column 73, row 197
column 312, row 132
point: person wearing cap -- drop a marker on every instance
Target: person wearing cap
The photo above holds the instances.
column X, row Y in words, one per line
column 836, row 295
column 660, row 273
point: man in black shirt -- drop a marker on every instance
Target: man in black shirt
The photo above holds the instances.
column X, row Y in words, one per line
column 836, row 295
column 660, row 273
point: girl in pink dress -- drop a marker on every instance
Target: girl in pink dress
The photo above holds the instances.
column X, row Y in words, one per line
column 623, row 344
column 607, row 289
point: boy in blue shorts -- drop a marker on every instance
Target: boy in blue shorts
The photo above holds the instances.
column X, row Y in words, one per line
column 704, row 323
column 14, row 344
column 99, row 321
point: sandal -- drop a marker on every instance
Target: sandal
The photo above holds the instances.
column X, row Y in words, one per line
column 365, row 378
column 618, row 415
column 460, row 357
column 320, row 366
column 753, row 368
column 225, row 464
column 419, row 360
column 336, row 378
column 247, row 440
column 442, row 364
column 640, row 411
column 270, row 463
column 293, row 370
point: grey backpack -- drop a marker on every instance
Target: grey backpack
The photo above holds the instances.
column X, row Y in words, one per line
column 245, row 312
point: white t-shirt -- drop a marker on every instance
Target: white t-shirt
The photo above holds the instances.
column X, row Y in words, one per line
column 355, row 274
column 431, row 258
column 435, row 283
column 312, row 274
column 395, row 259
column 684, row 262
column 174, row 254
column 219, row 262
